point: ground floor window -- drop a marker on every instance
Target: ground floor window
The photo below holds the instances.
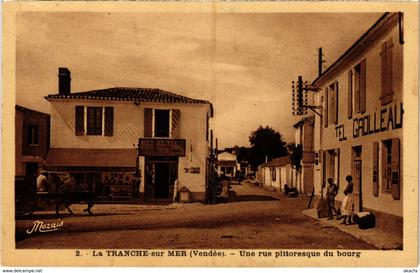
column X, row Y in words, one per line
column 332, row 165
column 391, row 167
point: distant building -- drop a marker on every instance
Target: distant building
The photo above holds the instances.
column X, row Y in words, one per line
column 227, row 164
column 276, row 173
column 129, row 142
column 32, row 137
column 360, row 133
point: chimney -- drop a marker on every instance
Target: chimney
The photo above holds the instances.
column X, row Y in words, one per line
column 64, row 80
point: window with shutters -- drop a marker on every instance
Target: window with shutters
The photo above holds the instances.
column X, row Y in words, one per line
column 94, row 121
column 333, row 103
column 387, row 90
column 32, row 135
column 391, row 167
column 359, row 86
column 332, row 165
column 164, row 123
column 273, row 174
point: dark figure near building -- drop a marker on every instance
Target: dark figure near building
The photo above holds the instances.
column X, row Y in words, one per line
column 290, row 191
column 332, row 190
column 347, row 205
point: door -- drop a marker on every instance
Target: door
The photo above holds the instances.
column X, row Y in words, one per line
column 357, row 179
column 160, row 176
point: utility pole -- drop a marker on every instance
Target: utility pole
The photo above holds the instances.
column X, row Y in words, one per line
column 320, row 61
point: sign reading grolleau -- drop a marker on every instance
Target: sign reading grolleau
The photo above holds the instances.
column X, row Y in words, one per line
column 161, row 147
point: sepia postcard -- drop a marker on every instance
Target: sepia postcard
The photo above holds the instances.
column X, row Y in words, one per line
column 211, row 134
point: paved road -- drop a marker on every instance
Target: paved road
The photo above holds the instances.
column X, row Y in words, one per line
column 254, row 218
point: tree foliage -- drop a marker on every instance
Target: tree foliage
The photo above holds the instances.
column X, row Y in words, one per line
column 265, row 143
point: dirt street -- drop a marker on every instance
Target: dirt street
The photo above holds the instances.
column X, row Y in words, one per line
column 254, row 218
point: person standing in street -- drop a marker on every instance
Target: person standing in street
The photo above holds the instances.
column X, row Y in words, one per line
column 347, row 205
column 332, row 190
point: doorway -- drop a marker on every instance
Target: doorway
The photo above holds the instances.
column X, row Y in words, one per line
column 160, row 176
column 357, row 178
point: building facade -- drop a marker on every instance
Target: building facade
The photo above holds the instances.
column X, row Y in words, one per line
column 304, row 140
column 227, row 164
column 277, row 173
column 130, row 142
column 360, row 132
column 32, row 141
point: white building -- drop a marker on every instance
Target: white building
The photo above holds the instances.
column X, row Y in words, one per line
column 227, row 164
column 360, row 133
column 276, row 173
column 125, row 142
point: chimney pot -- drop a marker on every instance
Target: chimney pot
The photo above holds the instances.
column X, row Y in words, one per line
column 64, row 81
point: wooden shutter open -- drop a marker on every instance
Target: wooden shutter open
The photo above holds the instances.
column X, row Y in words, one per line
column 326, row 108
column 350, row 95
column 387, row 72
column 395, row 169
column 175, row 123
column 79, row 121
column 148, row 114
column 109, row 121
column 363, row 86
column 375, row 174
column 336, row 103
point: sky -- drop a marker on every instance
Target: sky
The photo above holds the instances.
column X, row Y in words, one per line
column 243, row 63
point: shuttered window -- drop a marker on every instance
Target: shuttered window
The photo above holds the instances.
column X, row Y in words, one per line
column 391, row 167
column 387, row 90
column 375, row 174
column 326, row 107
column 350, row 95
column 94, row 120
column 360, row 87
column 79, row 121
column 109, row 121
column 99, row 121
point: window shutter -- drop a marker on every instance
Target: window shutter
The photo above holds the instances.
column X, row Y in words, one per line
column 332, row 104
column 383, row 165
column 79, row 121
column 109, row 121
column 176, row 117
column 383, row 73
column 337, row 152
column 148, row 122
column 357, row 89
column 363, row 86
column 375, row 175
column 336, row 103
column 326, row 108
column 389, row 71
column 350, row 95
column 395, row 169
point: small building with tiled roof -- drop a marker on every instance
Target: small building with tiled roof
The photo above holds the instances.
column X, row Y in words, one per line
column 276, row 173
column 130, row 142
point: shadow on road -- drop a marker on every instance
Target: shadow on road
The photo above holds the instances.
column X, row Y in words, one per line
column 249, row 197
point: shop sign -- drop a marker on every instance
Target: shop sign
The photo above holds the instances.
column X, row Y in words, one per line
column 161, row 147
column 386, row 119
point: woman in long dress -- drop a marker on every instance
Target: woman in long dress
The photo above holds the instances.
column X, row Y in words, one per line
column 347, row 204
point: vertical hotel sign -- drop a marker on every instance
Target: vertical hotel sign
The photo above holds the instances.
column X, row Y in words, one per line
column 161, row 147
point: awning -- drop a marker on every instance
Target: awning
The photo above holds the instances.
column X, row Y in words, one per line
column 62, row 157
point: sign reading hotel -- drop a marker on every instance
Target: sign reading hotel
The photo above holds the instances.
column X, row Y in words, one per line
column 161, row 147
column 386, row 119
